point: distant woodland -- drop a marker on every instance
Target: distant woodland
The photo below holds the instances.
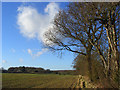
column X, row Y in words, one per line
column 34, row 70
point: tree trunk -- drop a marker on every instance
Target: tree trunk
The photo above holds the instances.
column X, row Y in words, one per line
column 112, row 40
column 89, row 63
column 109, row 62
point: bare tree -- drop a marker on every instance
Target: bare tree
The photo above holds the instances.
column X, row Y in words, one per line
column 108, row 16
column 87, row 27
column 73, row 29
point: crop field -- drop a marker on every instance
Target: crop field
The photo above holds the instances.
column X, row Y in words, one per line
column 14, row 80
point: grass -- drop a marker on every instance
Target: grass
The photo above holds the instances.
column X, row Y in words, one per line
column 14, row 80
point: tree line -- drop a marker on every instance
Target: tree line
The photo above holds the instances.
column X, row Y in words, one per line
column 23, row 69
column 91, row 30
column 34, row 70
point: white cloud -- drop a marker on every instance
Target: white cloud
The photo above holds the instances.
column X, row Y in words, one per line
column 33, row 24
column 30, row 51
column 23, row 50
column 41, row 52
column 37, row 54
column 21, row 60
column 13, row 50
column 4, row 61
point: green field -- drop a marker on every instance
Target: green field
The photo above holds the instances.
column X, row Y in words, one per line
column 13, row 80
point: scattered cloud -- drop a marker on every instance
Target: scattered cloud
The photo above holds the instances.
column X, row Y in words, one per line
column 33, row 24
column 41, row 52
column 29, row 51
column 13, row 50
column 21, row 60
column 4, row 61
column 37, row 54
column 23, row 50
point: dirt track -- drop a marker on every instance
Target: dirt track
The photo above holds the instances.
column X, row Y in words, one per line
column 82, row 82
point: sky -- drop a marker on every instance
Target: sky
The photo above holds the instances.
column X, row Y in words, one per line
column 23, row 28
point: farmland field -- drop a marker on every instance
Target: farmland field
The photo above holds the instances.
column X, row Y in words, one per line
column 14, row 80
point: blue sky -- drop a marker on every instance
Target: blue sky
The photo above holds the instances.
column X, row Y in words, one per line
column 22, row 36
